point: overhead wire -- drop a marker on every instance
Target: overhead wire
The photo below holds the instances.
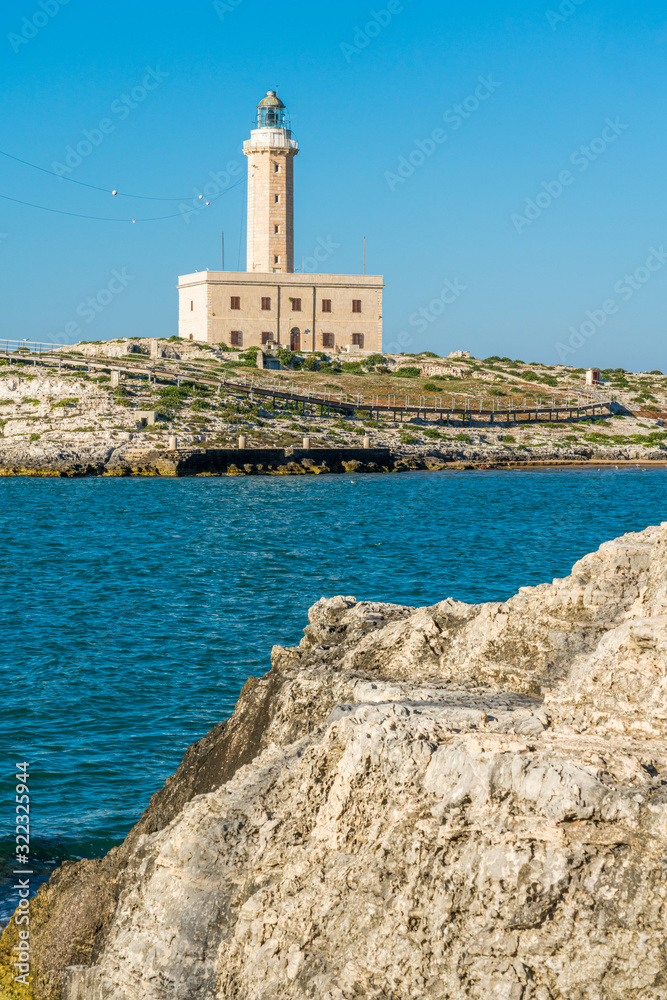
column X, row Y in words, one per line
column 99, row 218
column 93, row 187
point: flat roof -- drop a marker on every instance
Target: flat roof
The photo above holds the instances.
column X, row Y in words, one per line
column 282, row 278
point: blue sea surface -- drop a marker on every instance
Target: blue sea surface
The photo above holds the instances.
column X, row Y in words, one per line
column 133, row 610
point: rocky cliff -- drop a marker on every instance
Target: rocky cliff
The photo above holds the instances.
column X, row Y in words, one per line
column 449, row 802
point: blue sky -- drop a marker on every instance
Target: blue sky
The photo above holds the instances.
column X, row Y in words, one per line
column 513, row 152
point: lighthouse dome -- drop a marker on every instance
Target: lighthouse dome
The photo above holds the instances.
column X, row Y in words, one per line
column 271, row 112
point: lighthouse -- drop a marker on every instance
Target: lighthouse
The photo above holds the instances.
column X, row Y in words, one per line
column 270, row 151
column 269, row 305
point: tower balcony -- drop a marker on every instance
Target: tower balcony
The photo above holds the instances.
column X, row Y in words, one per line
column 270, row 138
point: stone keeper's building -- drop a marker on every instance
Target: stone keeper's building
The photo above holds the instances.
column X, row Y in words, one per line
column 268, row 304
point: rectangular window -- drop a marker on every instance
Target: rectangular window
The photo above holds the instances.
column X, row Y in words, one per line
column 276, row 168
column 327, row 340
column 276, row 198
column 192, row 307
column 358, row 339
column 276, row 260
column 276, row 229
column 237, row 338
column 296, row 305
column 236, row 302
column 326, row 305
column 267, row 338
column 266, row 304
column 356, row 305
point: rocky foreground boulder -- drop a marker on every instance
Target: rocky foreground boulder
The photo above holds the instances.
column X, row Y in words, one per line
column 449, row 802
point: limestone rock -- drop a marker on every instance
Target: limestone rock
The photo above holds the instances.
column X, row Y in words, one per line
column 457, row 802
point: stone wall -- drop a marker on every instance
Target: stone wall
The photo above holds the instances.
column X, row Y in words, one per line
column 206, row 313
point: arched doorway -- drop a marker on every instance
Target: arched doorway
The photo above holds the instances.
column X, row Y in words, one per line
column 295, row 339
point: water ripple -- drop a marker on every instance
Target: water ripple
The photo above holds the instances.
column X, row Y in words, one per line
column 133, row 611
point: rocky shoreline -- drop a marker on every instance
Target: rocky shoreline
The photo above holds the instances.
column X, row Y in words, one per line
column 72, row 425
column 459, row 802
column 128, row 457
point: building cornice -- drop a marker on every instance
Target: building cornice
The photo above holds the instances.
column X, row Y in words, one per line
column 265, row 279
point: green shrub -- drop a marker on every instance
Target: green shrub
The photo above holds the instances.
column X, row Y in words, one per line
column 27, row 399
column 35, row 437
column 407, row 372
column 496, row 392
column 311, row 364
column 199, row 405
column 122, row 396
column 465, row 438
column 353, row 368
column 69, row 401
column 375, row 359
column 430, row 432
column 285, row 357
column 406, row 438
column 173, row 396
column 430, row 387
column 248, row 360
column 508, row 439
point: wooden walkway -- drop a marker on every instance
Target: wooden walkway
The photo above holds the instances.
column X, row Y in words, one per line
column 468, row 413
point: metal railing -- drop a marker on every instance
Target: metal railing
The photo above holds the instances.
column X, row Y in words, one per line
column 439, row 403
column 28, row 347
column 465, row 405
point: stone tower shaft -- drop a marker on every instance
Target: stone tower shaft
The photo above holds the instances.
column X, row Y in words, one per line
column 271, row 151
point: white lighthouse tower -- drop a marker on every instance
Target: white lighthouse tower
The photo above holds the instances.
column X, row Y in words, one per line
column 271, row 151
column 269, row 305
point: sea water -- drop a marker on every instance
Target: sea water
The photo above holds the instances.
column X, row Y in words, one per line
column 133, row 610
